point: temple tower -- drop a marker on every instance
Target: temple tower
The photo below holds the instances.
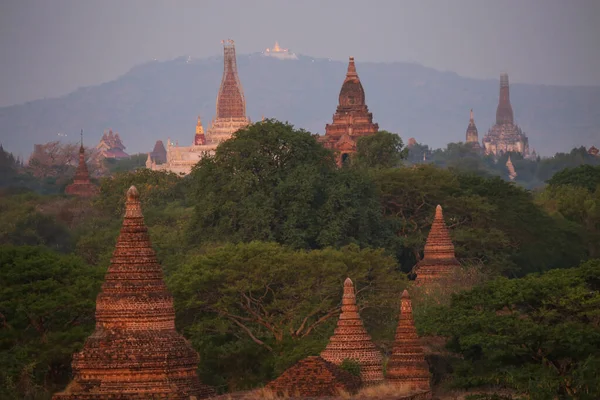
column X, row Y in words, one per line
column 135, row 351
column 352, row 118
column 81, row 185
column 231, row 104
column 407, row 365
column 472, row 137
column 505, row 136
column 504, row 111
column 439, row 262
column 350, row 340
column 199, row 138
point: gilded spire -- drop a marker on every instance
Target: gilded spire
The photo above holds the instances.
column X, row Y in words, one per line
column 350, row 340
column 438, row 260
column 407, row 365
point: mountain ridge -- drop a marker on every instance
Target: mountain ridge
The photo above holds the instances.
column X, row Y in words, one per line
column 162, row 99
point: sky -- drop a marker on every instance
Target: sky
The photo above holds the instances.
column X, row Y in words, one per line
column 49, row 48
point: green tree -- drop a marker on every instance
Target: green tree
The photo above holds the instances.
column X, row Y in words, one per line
column 263, row 306
column 539, row 335
column 272, row 182
column 46, row 311
column 585, row 176
column 381, row 150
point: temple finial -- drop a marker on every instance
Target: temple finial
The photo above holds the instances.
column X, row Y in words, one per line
column 471, row 116
column 133, row 194
column 351, row 68
column 438, row 212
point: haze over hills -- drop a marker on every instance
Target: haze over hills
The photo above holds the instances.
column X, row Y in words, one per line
column 160, row 100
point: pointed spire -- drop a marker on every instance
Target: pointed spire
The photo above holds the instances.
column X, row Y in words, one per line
column 81, row 185
column 81, row 146
column 471, row 118
column 350, row 340
column 351, row 69
column 504, row 112
column 439, row 261
column 472, row 136
column 135, row 347
column 407, row 365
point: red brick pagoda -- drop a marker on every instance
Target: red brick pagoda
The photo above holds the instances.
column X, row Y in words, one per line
column 135, row 351
column 351, row 120
column 81, row 185
column 439, row 261
column 407, row 365
column 314, row 377
column 350, row 340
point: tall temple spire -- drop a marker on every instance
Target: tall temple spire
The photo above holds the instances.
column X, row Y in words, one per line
column 439, row 261
column 230, row 101
column 407, row 365
column 82, row 185
column 350, row 340
column 135, row 351
column 504, row 112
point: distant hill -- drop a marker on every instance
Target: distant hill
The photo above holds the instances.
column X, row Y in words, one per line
column 158, row 100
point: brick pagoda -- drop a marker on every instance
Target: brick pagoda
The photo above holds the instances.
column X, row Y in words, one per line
column 439, row 262
column 81, row 185
column 314, row 377
column 135, row 351
column 407, row 365
column 351, row 120
column 350, row 340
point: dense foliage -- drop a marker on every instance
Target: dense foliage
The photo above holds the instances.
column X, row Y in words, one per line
column 46, row 311
column 539, row 335
column 257, row 241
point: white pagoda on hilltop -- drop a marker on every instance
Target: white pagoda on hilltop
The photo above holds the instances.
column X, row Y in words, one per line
column 278, row 52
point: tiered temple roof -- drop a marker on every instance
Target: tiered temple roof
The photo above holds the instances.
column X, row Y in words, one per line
column 135, row 351
column 350, row 340
column 314, row 377
column 352, row 118
column 505, row 135
column 472, row 136
column 111, row 146
column 439, row 261
column 407, row 365
column 81, row 185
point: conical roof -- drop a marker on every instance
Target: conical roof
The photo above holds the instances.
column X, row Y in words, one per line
column 350, row 340
column 352, row 93
column 439, row 260
column 407, row 365
column 135, row 351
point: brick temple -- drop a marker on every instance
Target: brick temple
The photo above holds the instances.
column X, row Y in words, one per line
column 351, row 120
column 314, row 377
column 350, row 340
column 82, row 186
column 135, row 351
column 505, row 136
column 407, row 365
column 439, row 262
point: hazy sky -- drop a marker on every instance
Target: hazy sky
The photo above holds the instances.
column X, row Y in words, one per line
column 51, row 47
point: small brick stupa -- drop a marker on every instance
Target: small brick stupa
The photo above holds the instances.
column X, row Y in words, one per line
column 135, row 351
column 439, row 262
column 314, row 377
column 407, row 365
column 81, row 185
column 350, row 340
